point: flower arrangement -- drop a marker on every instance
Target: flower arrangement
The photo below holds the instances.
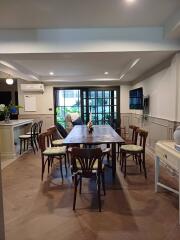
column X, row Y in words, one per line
column 5, row 111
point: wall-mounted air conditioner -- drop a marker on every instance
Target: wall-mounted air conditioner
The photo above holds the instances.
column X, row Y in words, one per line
column 32, row 88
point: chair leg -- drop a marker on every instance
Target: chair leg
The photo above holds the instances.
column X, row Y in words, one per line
column 75, row 191
column 139, row 161
column 20, row 146
column 103, row 183
column 80, row 186
column 42, row 170
column 35, row 143
column 27, row 144
column 24, row 142
column 68, row 160
column 32, row 145
column 61, row 170
column 118, row 151
column 125, row 163
column 65, row 163
column 99, row 190
column 144, row 165
column 49, row 163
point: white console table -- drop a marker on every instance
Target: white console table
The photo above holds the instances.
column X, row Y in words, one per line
column 9, row 137
column 166, row 153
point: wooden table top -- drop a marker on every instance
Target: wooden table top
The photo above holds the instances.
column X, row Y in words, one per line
column 101, row 134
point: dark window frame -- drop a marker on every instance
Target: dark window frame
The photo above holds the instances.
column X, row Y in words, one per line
column 91, row 88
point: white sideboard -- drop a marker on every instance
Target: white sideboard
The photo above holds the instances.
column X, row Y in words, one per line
column 167, row 154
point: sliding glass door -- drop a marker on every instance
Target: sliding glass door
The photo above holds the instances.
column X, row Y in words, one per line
column 103, row 103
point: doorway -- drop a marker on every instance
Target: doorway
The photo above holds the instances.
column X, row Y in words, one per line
column 103, row 103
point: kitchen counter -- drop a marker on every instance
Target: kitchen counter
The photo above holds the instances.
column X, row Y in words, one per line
column 9, row 137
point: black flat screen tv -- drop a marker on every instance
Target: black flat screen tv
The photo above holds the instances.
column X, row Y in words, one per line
column 136, row 98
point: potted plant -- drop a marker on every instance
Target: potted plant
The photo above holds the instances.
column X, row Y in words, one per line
column 6, row 111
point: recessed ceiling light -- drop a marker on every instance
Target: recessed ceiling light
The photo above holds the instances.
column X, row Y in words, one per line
column 130, row 1
column 51, row 73
column 106, row 73
column 9, row 81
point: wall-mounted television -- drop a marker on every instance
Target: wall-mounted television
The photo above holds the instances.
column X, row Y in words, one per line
column 136, row 98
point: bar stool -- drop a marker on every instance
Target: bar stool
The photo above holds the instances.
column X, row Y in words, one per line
column 29, row 138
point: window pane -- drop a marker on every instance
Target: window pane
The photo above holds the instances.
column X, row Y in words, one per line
column 99, row 94
column 106, row 94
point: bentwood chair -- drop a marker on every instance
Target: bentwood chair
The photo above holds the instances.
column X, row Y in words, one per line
column 38, row 131
column 86, row 163
column 58, row 141
column 132, row 140
column 137, row 151
column 48, row 153
column 29, row 138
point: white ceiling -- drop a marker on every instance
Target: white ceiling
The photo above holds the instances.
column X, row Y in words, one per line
column 84, row 13
column 77, row 67
column 84, row 67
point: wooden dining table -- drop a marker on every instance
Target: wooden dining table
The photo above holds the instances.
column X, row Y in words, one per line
column 101, row 134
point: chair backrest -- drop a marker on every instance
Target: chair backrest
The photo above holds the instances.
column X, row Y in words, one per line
column 134, row 133
column 61, row 130
column 86, row 158
column 40, row 123
column 54, row 133
column 34, row 130
column 44, row 141
column 142, row 137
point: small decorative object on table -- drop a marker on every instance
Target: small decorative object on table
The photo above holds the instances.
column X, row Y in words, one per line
column 177, row 138
column 90, row 126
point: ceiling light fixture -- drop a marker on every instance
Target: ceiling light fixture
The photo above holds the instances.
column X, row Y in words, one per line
column 9, row 81
column 129, row 67
column 51, row 73
column 106, row 73
column 130, row 1
column 134, row 63
column 122, row 76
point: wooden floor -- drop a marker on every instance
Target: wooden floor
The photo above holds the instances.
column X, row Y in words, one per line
column 43, row 211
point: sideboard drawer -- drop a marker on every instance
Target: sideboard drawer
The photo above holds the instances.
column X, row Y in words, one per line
column 167, row 158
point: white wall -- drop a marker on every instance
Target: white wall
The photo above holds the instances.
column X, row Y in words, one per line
column 124, row 98
column 44, row 101
column 162, row 90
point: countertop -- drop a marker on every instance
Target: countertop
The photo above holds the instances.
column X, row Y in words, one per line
column 16, row 122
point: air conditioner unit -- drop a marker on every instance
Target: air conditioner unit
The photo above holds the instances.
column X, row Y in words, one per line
column 32, row 88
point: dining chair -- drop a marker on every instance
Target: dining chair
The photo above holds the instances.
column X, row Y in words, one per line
column 48, row 153
column 137, row 151
column 58, row 141
column 87, row 162
column 29, row 138
column 132, row 140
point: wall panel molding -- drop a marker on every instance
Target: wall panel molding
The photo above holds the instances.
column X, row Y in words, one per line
column 48, row 119
column 158, row 128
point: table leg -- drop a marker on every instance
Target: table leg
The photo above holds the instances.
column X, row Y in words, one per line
column 156, row 173
column 113, row 159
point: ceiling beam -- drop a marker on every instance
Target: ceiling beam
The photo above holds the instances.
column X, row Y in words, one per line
column 85, row 40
